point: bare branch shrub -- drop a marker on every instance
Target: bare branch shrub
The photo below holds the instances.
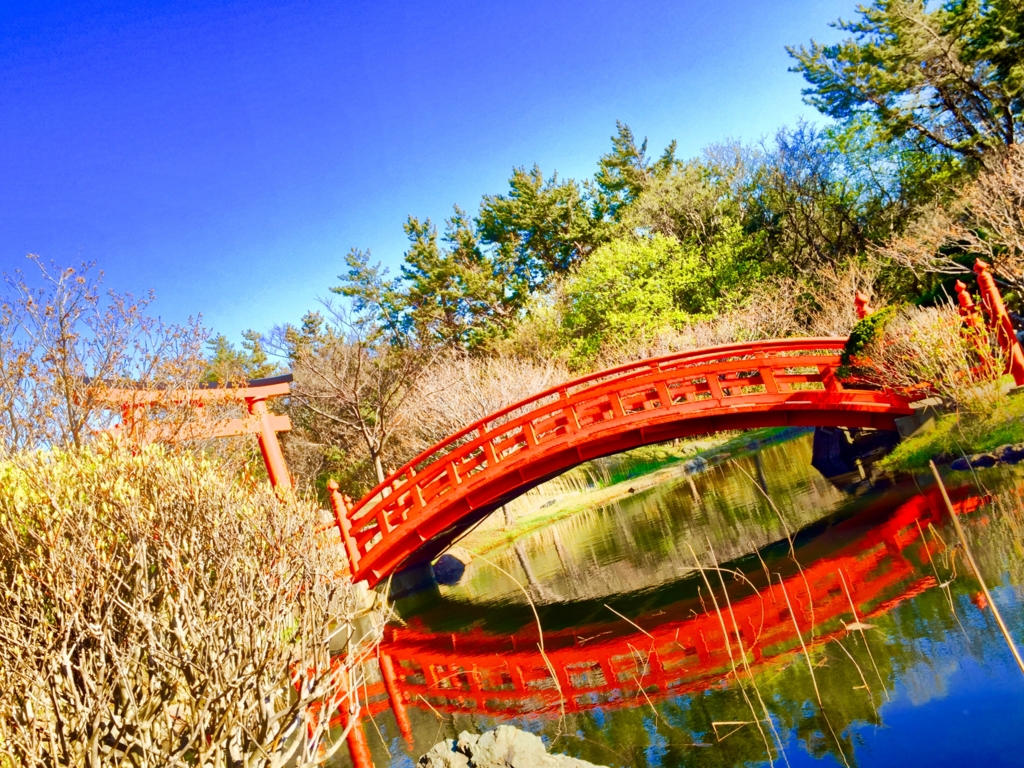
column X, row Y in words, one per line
column 459, row 389
column 157, row 612
column 987, row 220
column 932, row 344
column 63, row 343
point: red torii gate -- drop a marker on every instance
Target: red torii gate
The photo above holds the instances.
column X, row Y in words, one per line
column 132, row 403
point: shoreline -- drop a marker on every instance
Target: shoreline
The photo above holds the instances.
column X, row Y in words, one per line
column 487, row 540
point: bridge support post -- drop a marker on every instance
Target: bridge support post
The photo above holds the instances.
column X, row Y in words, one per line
column 835, row 450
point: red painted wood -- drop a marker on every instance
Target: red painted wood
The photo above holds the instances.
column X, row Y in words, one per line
column 424, row 506
column 999, row 321
column 678, row 651
column 260, row 421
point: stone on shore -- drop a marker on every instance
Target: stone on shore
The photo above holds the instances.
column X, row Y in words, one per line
column 1005, row 454
column 504, row 747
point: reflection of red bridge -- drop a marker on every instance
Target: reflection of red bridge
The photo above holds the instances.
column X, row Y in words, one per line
column 418, row 511
column 675, row 653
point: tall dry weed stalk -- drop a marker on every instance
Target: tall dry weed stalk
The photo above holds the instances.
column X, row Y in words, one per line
column 156, row 612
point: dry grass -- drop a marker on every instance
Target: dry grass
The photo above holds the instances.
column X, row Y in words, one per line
column 932, row 344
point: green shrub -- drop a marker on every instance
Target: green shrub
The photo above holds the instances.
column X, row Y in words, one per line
column 865, row 333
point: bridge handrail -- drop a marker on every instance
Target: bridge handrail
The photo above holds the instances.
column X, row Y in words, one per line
column 693, row 356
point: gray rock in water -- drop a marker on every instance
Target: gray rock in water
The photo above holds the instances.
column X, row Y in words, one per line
column 1010, row 454
column 698, row 464
column 504, row 747
column 976, row 461
column 444, row 755
column 983, row 460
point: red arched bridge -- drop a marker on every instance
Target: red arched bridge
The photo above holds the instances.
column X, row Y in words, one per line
column 422, row 508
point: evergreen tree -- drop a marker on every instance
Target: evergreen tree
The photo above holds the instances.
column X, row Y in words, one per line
column 228, row 365
column 950, row 76
column 542, row 227
column 625, row 173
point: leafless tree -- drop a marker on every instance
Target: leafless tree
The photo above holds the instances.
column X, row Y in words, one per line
column 986, row 220
column 63, row 342
column 352, row 388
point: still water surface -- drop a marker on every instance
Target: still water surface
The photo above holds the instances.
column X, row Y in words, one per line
column 681, row 627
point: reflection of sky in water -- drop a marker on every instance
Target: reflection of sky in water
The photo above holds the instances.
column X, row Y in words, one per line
column 957, row 697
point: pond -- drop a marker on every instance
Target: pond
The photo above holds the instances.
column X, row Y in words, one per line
column 750, row 613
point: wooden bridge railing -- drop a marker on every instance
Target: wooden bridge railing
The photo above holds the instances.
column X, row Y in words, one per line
column 783, row 375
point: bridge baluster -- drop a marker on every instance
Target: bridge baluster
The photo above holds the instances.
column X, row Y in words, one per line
column 453, row 473
column 767, row 374
column 572, row 420
column 663, row 394
column 489, row 452
column 616, row 402
column 714, row 386
column 608, row 671
column 530, row 434
column 829, row 378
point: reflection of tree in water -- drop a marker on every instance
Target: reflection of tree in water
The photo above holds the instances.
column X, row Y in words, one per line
column 903, row 646
column 680, row 731
column 641, row 540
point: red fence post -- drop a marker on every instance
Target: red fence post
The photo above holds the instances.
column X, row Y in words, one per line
column 974, row 330
column 967, row 308
column 340, row 510
column 860, row 301
column 999, row 320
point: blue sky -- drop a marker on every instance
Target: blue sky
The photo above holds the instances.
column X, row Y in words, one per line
column 228, row 154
